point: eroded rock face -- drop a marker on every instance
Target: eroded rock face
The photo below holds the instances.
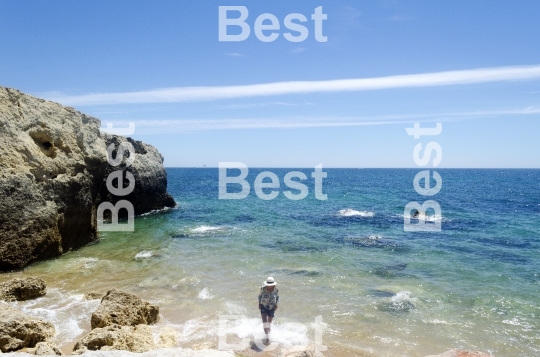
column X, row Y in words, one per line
column 115, row 337
column 462, row 353
column 18, row 330
column 53, row 170
column 20, row 289
column 118, row 307
column 44, row 349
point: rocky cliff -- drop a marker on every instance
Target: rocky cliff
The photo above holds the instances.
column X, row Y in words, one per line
column 53, row 171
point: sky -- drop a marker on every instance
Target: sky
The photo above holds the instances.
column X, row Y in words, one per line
column 345, row 102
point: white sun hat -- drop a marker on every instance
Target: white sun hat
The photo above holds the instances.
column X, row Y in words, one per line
column 270, row 281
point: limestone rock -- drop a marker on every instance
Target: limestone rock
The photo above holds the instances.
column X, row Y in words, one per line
column 53, row 171
column 18, row 330
column 43, row 349
column 115, row 337
column 118, row 307
column 462, row 353
column 20, row 289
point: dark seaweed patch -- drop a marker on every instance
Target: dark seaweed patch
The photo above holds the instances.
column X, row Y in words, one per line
column 291, row 246
column 380, row 293
column 302, row 272
column 396, row 306
column 371, row 242
column 180, row 235
column 390, row 270
column 244, row 218
column 505, row 243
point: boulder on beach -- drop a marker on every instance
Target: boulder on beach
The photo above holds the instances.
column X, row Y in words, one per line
column 115, row 337
column 53, row 175
column 121, row 308
column 44, row 349
column 462, row 353
column 20, row 289
column 18, row 330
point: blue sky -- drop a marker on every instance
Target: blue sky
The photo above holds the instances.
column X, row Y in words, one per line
column 197, row 106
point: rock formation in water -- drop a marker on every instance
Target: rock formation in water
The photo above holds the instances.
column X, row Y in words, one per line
column 53, row 171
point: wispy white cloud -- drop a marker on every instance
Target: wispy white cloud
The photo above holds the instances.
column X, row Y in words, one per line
column 235, row 54
column 193, row 125
column 190, row 94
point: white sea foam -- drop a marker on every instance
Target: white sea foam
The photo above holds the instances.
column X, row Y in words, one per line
column 158, row 211
column 403, row 296
column 427, row 218
column 287, row 334
column 144, row 254
column 205, row 229
column 68, row 313
column 204, row 294
column 349, row 212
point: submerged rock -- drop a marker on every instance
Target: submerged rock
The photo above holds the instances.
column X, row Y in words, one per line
column 121, row 308
column 18, row 330
column 462, row 353
column 115, row 337
column 53, row 171
column 20, row 289
column 390, row 270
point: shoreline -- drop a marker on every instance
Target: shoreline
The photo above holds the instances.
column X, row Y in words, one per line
column 197, row 347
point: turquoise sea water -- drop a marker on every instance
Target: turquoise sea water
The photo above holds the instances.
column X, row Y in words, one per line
column 380, row 291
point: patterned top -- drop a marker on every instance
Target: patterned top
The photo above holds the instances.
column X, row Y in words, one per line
column 267, row 299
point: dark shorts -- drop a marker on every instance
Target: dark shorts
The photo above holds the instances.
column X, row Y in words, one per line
column 267, row 311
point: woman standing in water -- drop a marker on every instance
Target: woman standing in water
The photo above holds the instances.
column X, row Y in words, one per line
column 268, row 304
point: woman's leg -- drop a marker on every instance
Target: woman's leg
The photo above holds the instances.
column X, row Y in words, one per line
column 268, row 324
column 265, row 317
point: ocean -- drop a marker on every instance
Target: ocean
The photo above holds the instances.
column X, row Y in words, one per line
column 378, row 290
